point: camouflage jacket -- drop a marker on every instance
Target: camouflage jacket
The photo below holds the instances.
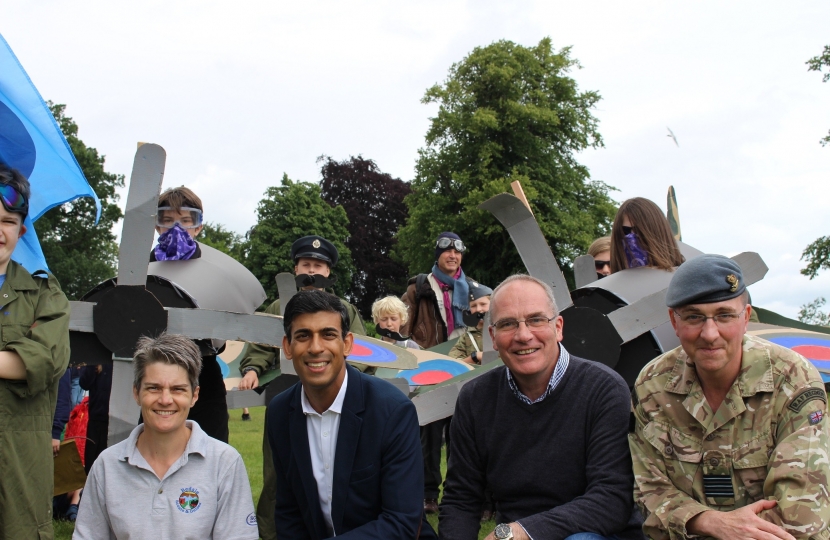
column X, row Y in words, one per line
column 768, row 440
column 465, row 347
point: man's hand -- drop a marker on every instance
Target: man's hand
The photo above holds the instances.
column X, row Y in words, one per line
column 739, row 524
column 518, row 533
column 56, row 447
column 249, row 381
column 469, row 360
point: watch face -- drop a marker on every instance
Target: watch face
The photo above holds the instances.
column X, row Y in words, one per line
column 503, row 530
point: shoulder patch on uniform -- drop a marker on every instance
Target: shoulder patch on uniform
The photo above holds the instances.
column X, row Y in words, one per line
column 805, row 397
column 815, row 417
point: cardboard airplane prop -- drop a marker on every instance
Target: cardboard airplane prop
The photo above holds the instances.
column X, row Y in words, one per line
column 179, row 297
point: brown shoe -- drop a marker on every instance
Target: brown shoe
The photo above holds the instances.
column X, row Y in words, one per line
column 430, row 506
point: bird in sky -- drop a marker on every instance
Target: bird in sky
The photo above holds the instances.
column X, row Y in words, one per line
column 671, row 134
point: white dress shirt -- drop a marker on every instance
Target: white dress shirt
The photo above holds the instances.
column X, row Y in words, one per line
column 322, row 444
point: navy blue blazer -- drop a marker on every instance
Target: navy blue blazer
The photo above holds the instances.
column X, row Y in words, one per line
column 378, row 468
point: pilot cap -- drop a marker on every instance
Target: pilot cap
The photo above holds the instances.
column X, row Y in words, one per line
column 704, row 280
column 478, row 290
column 314, row 247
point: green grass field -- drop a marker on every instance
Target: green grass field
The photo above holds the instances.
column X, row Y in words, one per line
column 246, row 437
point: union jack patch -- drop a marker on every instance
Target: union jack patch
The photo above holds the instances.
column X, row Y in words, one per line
column 815, row 417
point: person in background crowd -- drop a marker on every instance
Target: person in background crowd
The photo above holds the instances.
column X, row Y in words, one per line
column 34, row 354
column 77, row 391
column 389, row 314
column 600, row 250
column 468, row 347
column 435, row 304
column 65, row 504
column 314, row 257
column 97, row 380
column 641, row 236
column 730, row 439
column 179, row 221
column 168, row 479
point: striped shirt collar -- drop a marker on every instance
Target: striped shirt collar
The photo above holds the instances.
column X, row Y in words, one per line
column 558, row 373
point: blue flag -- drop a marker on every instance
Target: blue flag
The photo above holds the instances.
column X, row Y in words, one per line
column 32, row 142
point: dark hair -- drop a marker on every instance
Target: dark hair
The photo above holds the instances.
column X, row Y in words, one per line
column 180, row 196
column 314, row 301
column 14, row 178
column 653, row 234
column 172, row 349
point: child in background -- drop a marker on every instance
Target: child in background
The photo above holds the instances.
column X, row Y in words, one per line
column 468, row 347
column 389, row 314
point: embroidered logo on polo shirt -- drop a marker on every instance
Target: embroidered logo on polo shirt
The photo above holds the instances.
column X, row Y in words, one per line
column 189, row 500
column 251, row 519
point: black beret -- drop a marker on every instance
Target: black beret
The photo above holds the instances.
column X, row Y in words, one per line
column 704, row 280
column 314, row 247
column 477, row 290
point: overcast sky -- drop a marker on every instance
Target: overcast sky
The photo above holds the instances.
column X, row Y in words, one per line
column 240, row 92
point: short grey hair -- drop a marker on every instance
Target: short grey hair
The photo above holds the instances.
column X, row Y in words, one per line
column 171, row 349
column 523, row 277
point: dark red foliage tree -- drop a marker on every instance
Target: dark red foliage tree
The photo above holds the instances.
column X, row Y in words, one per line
column 373, row 201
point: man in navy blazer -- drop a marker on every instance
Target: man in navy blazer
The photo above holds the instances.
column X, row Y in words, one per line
column 346, row 446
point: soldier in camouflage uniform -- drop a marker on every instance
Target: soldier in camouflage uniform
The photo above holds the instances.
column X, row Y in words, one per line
column 730, row 439
column 468, row 346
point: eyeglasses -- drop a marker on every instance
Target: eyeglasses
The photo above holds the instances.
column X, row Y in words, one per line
column 599, row 265
column 12, row 200
column 696, row 320
column 511, row 325
column 444, row 243
column 627, row 230
column 188, row 218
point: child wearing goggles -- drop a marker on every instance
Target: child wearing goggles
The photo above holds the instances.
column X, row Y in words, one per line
column 34, row 353
column 179, row 222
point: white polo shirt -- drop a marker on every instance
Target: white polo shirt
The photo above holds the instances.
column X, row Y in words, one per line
column 322, row 444
column 205, row 494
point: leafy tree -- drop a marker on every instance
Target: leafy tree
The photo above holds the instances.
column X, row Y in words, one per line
column 373, row 201
column 218, row 237
column 817, row 63
column 288, row 212
column 80, row 253
column 506, row 112
column 811, row 313
column 817, row 254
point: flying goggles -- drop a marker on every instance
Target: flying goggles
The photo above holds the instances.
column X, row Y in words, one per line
column 444, row 243
column 187, row 218
column 12, row 200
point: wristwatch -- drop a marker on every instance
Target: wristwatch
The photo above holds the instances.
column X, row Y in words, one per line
column 503, row 532
column 474, row 356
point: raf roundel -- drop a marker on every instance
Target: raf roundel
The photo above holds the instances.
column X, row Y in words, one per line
column 434, row 371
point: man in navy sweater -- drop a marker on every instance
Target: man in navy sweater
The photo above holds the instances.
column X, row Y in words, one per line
column 546, row 434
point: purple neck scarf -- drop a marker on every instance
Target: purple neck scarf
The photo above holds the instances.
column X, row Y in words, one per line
column 175, row 245
column 634, row 254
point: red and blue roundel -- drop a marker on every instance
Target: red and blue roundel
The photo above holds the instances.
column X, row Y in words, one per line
column 434, row 371
column 814, row 348
column 364, row 351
